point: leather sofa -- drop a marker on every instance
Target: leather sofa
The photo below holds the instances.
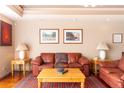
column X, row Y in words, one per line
column 54, row 60
column 113, row 73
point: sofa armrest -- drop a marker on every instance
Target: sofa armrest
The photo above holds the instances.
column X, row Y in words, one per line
column 83, row 60
column 37, row 61
column 86, row 69
column 109, row 64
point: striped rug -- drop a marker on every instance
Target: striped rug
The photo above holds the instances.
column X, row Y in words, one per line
column 31, row 82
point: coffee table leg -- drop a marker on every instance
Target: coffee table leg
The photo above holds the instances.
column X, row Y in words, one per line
column 82, row 85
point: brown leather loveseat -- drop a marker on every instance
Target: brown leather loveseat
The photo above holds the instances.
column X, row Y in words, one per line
column 113, row 73
column 66, row 60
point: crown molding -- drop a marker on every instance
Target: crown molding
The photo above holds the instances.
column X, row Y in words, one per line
column 73, row 11
column 17, row 9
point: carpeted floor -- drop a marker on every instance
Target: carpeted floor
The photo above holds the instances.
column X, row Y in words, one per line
column 31, row 82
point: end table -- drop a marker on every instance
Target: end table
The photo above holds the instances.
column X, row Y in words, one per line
column 95, row 65
column 20, row 62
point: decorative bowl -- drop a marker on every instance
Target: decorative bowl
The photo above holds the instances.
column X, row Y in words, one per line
column 60, row 69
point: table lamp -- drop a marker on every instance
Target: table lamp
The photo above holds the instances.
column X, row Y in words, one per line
column 22, row 48
column 102, row 47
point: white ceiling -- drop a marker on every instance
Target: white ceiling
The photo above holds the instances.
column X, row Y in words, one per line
column 62, row 2
column 49, row 11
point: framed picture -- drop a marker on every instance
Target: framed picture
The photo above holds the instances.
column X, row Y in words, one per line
column 117, row 37
column 49, row 36
column 73, row 36
column 5, row 34
column 122, row 53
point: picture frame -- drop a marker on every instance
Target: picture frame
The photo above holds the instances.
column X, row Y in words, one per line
column 117, row 37
column 49, row 36
column 122, row 53
column 5, row 34
column 73, row 36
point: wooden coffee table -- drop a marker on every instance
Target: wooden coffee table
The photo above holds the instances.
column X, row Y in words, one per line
column 51, row 75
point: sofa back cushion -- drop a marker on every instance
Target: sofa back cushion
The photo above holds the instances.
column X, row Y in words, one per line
column 73, row 57
column 61, row 57
column 121, row 64
column 48, row 57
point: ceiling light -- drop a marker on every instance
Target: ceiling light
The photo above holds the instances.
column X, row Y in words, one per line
column 88, row 4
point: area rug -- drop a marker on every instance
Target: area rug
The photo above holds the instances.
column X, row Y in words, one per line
column 31, row 82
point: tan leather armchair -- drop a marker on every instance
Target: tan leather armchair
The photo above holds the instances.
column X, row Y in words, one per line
column 113, row 73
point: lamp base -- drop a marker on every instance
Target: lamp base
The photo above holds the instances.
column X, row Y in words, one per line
column 102, row 54
column 21, row 54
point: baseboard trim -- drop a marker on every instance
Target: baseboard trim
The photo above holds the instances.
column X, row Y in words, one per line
column 5, row 76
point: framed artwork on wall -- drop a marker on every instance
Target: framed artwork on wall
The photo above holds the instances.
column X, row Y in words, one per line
column 5, row 34
column 49, row 36
column 73, row 36
column 122, row 53
column 117, row 37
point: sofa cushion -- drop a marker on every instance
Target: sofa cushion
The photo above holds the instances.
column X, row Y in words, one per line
column 46, row 65
column 75, row 65
column 121, row 64
column 48, row 57
column 116, row 77
column 73, row 57
column 111, row 70
column 61, row 57
column 61, row 64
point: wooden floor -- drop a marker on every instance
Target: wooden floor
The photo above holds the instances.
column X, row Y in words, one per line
column 9, row 81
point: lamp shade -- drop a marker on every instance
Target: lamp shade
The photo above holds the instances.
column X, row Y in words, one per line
column 102, row 46
column 22, row 47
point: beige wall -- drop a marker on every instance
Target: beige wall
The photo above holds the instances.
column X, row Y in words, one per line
column 96, row 28
column 6, row 54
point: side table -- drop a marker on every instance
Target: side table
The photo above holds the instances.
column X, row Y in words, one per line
column 95, row 65
column 20, row 62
